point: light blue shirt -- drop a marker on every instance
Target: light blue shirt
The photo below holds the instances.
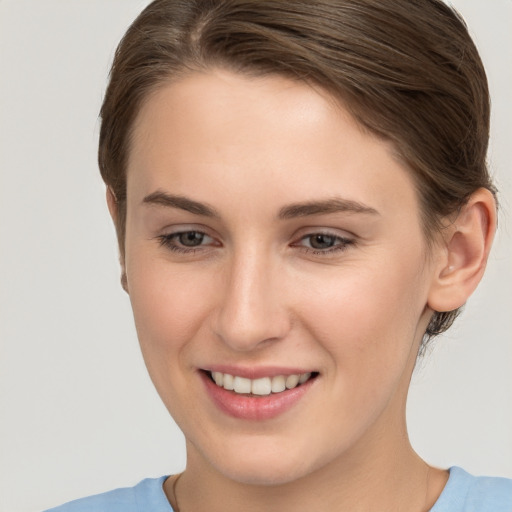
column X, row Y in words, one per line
column 467, row 493
column 463, row 493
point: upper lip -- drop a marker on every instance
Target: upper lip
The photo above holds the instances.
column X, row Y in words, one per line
column 256, row 372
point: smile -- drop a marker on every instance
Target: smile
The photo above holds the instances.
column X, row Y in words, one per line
column 259, row 398
column 263, row 386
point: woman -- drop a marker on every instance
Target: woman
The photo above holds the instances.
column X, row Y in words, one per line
column 301, row 202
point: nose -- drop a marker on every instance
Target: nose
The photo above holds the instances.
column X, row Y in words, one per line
column 252, row 310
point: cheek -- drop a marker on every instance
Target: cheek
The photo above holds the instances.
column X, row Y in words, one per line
column 169, row 304
column 366, row 317
column 366, row 323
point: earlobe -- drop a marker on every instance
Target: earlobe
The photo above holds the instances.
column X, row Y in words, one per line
column 124, row 281
column 464, row 254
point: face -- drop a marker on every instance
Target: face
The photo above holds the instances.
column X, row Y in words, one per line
column 268, row 237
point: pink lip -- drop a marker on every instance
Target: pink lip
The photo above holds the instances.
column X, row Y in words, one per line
column 252, row 407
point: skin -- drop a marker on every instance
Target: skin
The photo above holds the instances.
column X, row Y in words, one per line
column 255, row 292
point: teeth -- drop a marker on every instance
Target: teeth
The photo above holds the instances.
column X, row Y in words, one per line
column 242, row 385
column 292, row 381
column 228, row 382
column 262, row 387
column 278, row 384
column 218, row 378
column 304, row 377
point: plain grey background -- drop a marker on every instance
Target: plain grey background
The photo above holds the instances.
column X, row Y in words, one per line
column 78, row 414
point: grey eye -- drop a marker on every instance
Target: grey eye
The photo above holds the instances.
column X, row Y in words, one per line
column 320, row 241
column 191, row 238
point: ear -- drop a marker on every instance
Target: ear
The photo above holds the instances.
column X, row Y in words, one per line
column 112, row 204
column 113, row 209
column 464, row 254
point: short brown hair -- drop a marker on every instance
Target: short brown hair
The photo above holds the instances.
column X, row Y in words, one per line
column 407, row 70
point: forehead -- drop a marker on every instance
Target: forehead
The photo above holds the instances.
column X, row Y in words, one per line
column 243, row 136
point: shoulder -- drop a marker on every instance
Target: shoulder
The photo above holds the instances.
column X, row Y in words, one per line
column 468, row 493
column 146, row 496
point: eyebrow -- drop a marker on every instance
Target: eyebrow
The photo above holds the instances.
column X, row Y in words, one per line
column 309, row 208
column 333, row 205
column 181, row 203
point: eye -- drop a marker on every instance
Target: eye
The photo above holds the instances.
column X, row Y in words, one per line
column 323, row 243
column 186, row 241
column 190, row 238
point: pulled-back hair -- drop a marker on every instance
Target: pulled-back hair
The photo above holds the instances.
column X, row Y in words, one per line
column 407, row 70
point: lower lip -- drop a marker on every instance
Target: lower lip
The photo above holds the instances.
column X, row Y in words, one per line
column 254, row 407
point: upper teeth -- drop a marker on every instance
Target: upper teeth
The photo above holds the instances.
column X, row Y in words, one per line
column 263, row 386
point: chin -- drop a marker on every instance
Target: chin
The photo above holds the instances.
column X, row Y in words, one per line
column 264, row 464
column 264, row 473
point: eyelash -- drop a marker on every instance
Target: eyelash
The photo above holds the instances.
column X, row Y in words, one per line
column 341, row 243
column 169, row 241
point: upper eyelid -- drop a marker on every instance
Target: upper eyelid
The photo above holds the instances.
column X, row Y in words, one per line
column 335, row 232
column 326, row 233
column 184, row 228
